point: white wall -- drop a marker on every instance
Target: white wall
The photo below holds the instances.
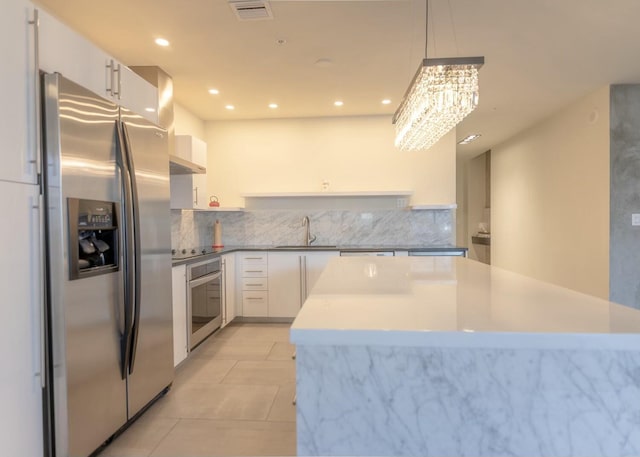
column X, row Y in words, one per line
column 550, row 198
column 296, row 155
column 187, row 123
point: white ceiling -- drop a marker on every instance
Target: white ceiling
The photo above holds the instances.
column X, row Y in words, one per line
column 539, row 55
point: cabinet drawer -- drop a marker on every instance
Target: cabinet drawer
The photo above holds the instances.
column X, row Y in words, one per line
column 254, row 259
column 254, row 271
column 254, row 283
column 255, row 304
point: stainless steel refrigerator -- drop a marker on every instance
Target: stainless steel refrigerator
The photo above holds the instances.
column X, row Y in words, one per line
column 108, row 265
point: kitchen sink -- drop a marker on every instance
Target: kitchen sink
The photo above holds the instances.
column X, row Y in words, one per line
column 302, row 247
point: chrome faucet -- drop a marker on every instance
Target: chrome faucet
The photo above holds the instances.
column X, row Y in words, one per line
column 308, row 238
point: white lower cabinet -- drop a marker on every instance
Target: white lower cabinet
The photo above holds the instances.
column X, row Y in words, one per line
column 20, row 321
column 285, row 284
column 276, row 284
column 253, row 274
column 229, row 295
column 180, row 327
column 292, row 275
column 255, row 304
column 314, row 264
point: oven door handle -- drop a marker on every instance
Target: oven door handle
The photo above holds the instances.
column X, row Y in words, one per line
column 205, row 279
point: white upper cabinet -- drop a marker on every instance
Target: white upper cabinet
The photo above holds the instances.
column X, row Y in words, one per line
column 189, row 191
column 137, row 94
column 18, row 148
column 64, row 51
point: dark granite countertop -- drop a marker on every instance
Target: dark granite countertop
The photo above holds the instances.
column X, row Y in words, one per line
column 230, row 249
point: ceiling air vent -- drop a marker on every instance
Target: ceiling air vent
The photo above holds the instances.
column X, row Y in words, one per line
column 251, row 10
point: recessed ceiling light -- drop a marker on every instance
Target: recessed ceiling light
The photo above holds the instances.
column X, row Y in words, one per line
column 469, row 138
column 162, row 42
column 338, row 103
column 273, row 105
column 230, row 107
column 150, row 110
column 386, row 101
column 214, row 91
column 324, row 62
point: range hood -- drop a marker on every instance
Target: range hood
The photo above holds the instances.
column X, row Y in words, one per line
column 163, row 82
column 180, row 166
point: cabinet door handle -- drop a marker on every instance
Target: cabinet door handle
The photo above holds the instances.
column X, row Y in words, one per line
column 224, row 291
column 256, row 285
column 119, row 71
column 305, row 292
column 38, row 207
column 253, row 258
column 37, row 160
column 195, row 190
column 115, row 85
column 109, row 88
column 253, row 298
column 301, row 280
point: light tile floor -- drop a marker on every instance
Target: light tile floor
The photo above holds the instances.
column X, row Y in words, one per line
column 231, row 397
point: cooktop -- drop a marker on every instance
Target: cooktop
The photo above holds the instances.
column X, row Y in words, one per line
column 182, row 254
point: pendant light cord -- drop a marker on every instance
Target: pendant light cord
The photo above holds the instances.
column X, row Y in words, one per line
column 426, row 32
column 453, row 27
column 426, row 29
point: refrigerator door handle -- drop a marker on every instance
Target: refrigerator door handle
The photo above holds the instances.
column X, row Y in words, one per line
column 135, row 240
column 128, row 254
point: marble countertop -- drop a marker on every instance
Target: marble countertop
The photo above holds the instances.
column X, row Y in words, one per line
column 454, row 302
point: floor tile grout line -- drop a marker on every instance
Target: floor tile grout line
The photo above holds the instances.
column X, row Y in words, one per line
column 228, row 371
column 231, row 421
column 224, row 420
column 273, row 344
column 163, row 438
column 234, row 363
column 266, row 419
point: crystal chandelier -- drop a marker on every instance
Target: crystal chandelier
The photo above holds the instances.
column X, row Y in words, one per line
column 441, row 94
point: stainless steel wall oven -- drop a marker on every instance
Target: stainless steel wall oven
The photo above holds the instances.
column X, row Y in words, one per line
column 204, row 299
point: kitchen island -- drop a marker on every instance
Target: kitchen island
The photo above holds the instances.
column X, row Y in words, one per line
column 442, row 356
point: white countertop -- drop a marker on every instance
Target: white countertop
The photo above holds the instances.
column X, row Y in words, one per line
column 454, row 302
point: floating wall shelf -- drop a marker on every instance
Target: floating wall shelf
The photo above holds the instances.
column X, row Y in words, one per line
column 225, row 208
column 354, row 201
column 434, row 207
column 486, row 240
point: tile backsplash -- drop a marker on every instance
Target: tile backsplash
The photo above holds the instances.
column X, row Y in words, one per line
column 331, row 227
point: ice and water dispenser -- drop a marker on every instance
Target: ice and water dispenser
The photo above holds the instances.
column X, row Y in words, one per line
column 93, row 237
